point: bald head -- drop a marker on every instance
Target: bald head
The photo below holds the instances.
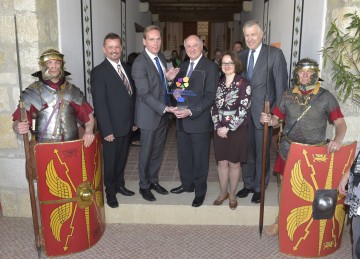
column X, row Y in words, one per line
column 193, row 47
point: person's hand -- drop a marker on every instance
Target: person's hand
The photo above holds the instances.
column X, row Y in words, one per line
column 182, row 113
column 222, row 132
column 170, row 109
column 88, row 138
column 110, row 138
column 343, row 183
column 21, row 127
column 334, row 146
column 171, row 73
column 265, row 117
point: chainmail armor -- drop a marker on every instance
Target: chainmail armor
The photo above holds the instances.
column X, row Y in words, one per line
column 311, row 128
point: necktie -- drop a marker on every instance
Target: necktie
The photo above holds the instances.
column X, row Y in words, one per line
column 191, row 69
column 162, row 78
column 250, row 69
column 125, row 80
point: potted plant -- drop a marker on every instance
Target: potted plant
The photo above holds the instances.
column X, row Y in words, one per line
column 343, row 51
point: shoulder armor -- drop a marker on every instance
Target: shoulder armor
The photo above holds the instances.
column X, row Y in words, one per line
column 72, row 93
column 32, row 96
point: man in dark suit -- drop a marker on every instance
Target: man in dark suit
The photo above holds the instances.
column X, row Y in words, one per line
column 194, row 124
column 255, row 60
column 152, row 104
column 112, row 91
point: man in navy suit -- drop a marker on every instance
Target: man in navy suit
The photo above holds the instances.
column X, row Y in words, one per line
column 113, row 98
column 255, row 60
column 152, row 104
column 194, row 124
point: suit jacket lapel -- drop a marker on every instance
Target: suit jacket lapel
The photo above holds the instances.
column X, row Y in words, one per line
column 261, row 60
column 111, row 70
column 128, row 74
column 162, row 60
column 200, row 64
column 245, row 58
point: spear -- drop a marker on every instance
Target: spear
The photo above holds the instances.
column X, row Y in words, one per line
column 265, row 138
column 28, row 167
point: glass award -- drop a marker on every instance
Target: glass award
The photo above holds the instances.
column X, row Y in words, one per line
column 187, row 91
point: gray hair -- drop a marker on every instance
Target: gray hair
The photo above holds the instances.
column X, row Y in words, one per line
column 252, row 23
column 200, row 41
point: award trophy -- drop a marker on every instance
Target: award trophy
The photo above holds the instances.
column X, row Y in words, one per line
column 185, row 91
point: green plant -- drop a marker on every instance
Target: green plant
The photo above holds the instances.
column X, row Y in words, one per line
column 343, row 51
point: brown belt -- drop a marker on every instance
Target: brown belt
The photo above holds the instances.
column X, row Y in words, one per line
column 323, row 143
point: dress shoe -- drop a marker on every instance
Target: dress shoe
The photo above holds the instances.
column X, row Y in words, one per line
column 180, row 189
column 233, row 204
column 112, row 201
column 158, row 188
column 125, row 191
column 244, row 193
column 256, row 197
column 198, row 201
column 220, row 199
column 147, row 194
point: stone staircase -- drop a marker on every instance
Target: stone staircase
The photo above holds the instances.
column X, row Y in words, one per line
column 176, row 209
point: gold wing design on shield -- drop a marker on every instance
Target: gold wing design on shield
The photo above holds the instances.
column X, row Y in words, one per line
column 62, row 189
column 299, row 185
column 304, row 191
column 97, row 180
column 340, row 216
column 297, row 217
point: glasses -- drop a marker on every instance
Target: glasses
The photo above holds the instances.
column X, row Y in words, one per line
column 227, row 64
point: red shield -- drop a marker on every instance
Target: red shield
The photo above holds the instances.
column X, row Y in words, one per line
column 308, row 169
column 70, row 190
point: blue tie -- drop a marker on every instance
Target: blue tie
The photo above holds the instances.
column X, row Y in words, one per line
column 250, row 69
column 191, row 69
column 162, row 78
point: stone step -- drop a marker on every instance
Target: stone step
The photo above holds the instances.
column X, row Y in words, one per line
column 176, row 209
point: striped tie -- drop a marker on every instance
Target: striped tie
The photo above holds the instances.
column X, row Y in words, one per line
column 125, row 80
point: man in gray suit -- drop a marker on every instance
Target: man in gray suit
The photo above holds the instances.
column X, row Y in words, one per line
column 152, row 104
column 255, row 60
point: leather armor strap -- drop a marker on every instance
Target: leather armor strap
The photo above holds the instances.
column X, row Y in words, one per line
column 53, row 112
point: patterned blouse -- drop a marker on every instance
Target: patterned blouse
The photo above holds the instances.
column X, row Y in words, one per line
column 353, row 195
column 232, row 104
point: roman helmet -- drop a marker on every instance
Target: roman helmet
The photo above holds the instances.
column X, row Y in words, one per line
column 51, row 54
column 307, row 63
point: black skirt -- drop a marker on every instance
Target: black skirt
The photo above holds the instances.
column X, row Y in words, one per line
column 234, row 147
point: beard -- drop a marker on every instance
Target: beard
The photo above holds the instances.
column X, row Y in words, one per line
column 47, row 76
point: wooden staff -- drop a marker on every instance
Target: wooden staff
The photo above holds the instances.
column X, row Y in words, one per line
column 265, row 137
column 263, row 168
column 29, row 177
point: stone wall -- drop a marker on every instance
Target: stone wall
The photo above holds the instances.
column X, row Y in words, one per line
column 37, row 30
column 336, row 10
